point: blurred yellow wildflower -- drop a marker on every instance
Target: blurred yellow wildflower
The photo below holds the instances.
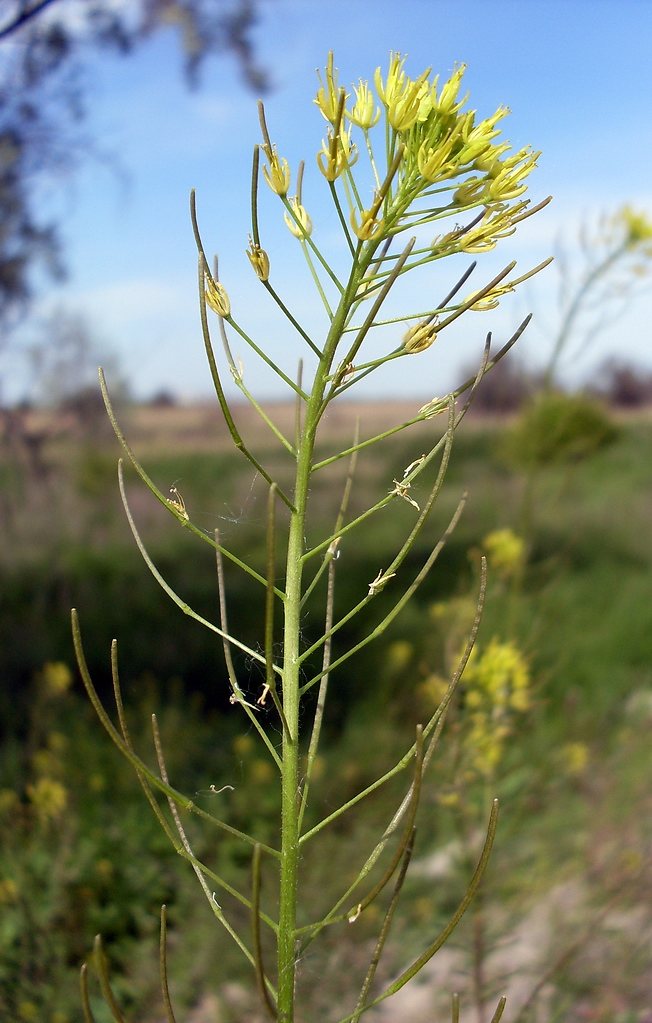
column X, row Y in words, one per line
column 261, row 772
column 243, row 745
column 8, row 891
column 398, row 655
column 48, row 797
column 505, row 551
column 638, row 227
column 576, row 756
column 56, row 678
column 497, row 686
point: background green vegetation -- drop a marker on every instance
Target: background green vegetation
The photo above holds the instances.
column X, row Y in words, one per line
column 80, row 851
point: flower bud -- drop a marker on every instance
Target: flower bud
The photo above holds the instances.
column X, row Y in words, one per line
column 362, row 112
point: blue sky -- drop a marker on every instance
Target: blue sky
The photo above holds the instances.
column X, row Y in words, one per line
column 576, row 74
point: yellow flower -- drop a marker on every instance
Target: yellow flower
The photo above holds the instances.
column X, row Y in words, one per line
column 217, row 298
column 407, row 103
column 393, row 87
column 446, row 102
column 328, row 96
column 278, row 174
column 369, row 226
column 258, row 259
column 362, row 112
column 304, row 226
column 337, row 153
column 490, row 300
column 471, row 191
column 432, row 162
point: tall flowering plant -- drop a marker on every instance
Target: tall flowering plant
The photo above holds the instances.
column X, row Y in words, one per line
column 429, row 161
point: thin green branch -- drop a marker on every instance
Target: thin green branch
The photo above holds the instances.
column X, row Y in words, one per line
column 415, row 792
column 212, row 901
column 163, row 967
column 414, row 532
column 185, row 853
column 342, row 218
column 330, row 601
column 263, row 984
column 367, row 443
column 178, row 847
column 435, row 722
column 185, row 522
column 313, row 248
column 238, row 377
column 364, row 329
column 152, row 778
column 399, row 605
column 99, row 960
column 168, row 589
column 270, row 667
column 315, row 277
column 265, row 358
column 419, row 963
column 86, row 1005
column 237, row 695
column 470, row 381
column 297, row 326
column 217, row 383
column 409, row 803
column 382, row 937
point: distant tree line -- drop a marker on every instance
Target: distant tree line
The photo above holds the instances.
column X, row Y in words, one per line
column 45, row 50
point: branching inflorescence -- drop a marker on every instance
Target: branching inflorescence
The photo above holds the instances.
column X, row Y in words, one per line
column 429, row 160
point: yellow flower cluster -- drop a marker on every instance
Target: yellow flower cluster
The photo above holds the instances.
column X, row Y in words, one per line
column 497, row 687
column 439, row 144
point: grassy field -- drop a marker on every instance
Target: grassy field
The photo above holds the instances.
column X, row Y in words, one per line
column 563, row 922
